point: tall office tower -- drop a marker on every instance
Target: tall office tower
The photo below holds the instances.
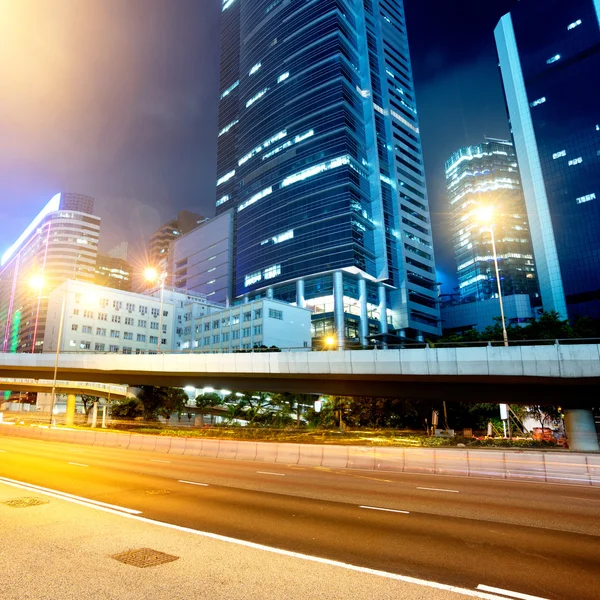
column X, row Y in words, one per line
column 549, row 53
column 486, row 175
column 319, row 155
column 61, row 243
column 167, row 233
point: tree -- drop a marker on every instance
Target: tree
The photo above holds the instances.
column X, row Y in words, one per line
column 174, row 401
column 126, row 409
column 161, row 401
column 204, row 401
column 88, row 402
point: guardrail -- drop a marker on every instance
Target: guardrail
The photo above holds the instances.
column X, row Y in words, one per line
column 109, row 387
column 514, row 465
column 403, row 346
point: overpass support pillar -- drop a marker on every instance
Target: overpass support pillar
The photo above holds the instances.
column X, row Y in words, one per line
column 581, row 430
column 338, row 308
column 70, row 414
column 364, row 315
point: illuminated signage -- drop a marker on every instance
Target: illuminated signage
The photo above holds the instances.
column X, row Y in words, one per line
column 52, row 206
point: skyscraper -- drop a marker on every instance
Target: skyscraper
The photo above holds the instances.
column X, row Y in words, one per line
column 61, row 243
column 549, row 52
column 482, row 176
column 320, row 157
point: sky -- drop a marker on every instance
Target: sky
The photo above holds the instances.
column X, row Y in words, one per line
column 118, row 100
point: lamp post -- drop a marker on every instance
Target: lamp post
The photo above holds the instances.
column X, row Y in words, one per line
column 58, row 343
column 151, row 274
column 486, row 215
column 329, row 342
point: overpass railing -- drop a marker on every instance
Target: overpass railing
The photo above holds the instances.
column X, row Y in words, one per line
column 351, row 346
column 108, row 387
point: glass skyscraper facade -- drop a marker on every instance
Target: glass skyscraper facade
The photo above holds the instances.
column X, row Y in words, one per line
column 320, row 158
column 549, row 52
column 486, row 175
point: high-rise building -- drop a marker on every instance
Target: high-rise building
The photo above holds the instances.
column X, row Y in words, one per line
column 549, row 52
column 480, row 176
column 113, row 270
column 61, row 243
column 167, row 233
column 319, row 156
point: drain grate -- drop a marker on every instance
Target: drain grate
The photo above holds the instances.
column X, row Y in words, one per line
column 157, row 492
column 24, row 502
column 144, row 557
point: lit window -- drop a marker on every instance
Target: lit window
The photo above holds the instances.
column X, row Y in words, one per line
column 587, row 198
column 316, row 170
column 275, row 138
column 271, row 272
column 256, row 97
column 225, row 177
column 575, row 161
column 230, row 89
column 255, row 68
column 538, row 102
column 282, row 237
column 227, row 4
column 252, row 278
column 255, row 198
column 574, row 24
column 283, row 77
column 228, row 127
column 559, row 154
column 222, row 200
column 553, row 59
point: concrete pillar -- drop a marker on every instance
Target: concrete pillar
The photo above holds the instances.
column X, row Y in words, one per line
column 364, row 317
column 300, row 301
column 270, row 293
column 338, row 307
column 70, row 414
column 246, row 299
column 95, row 414
column 383, row 308
column 581, row 430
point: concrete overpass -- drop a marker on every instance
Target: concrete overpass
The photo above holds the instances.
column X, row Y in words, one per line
column 101, row 390
column 566, row 375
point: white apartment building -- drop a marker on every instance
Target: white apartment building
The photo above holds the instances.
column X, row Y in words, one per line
column 263, row 322
column 101, row 319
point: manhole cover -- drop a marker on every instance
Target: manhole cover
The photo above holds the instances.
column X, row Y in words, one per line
column 24, row 502
column 144, row 557
column 157, row 492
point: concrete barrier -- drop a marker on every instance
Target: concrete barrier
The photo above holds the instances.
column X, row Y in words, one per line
column 553, row 467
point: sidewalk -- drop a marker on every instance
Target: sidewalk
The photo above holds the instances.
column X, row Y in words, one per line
column 61, row 550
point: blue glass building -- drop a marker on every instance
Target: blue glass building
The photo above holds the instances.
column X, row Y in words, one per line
column 549, row 52
column 320, row 157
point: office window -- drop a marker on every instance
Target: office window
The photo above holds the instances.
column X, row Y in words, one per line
column 74, row 327
column 88, row 314
column 155, row 312
column 235, row 335
column 117, row 304
column 225, row 337
column 130, row 307
column 77, row 298
column 85, row 345
column 128, row 320
column 258, row 313
column 187, row 330
column 143, row 310
column 99, row 347
column 246, row 332
column 154, row 339
column 276, row 314
column 207, row 340
column 225, row 322
column 141, row 337
column 114, row 333
column 163, row 341
column 153, row 324
column 116, row 318
column 164, row 329
column 113, row 348
column 76, row 312
column 248, row 316
column 126, row 350
column 103, row 302
column 207, row 326
column 100, row 331
column 257, row 329
column 86, row 329
column 102, row 316
column 72, row 343
column 215, row 324
column 165, row 313
column 142, row 323
column 128, row 335
column 235, row 320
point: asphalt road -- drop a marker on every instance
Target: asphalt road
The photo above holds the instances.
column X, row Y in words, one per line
column 531, row 538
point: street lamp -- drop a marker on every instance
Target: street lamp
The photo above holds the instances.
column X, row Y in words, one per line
column 152, row 275
column 485, row 214
column 329, row 342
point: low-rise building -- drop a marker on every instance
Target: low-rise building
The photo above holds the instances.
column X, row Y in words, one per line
column 262, row 322
column 102, row 319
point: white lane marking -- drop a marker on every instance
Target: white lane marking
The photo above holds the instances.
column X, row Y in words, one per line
column 437, row 490
column 404, row 512
column 66, row 496
column 487, row 588
column 269, row 473
column 78, row 464
column 162, row 461
column 192, row 482
column 307, row 557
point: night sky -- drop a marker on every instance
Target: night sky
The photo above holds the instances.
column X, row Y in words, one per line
column 118, row 100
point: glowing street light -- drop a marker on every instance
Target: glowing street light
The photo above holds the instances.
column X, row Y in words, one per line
column 485, row 215
column 329, row 342
column 152, row 275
